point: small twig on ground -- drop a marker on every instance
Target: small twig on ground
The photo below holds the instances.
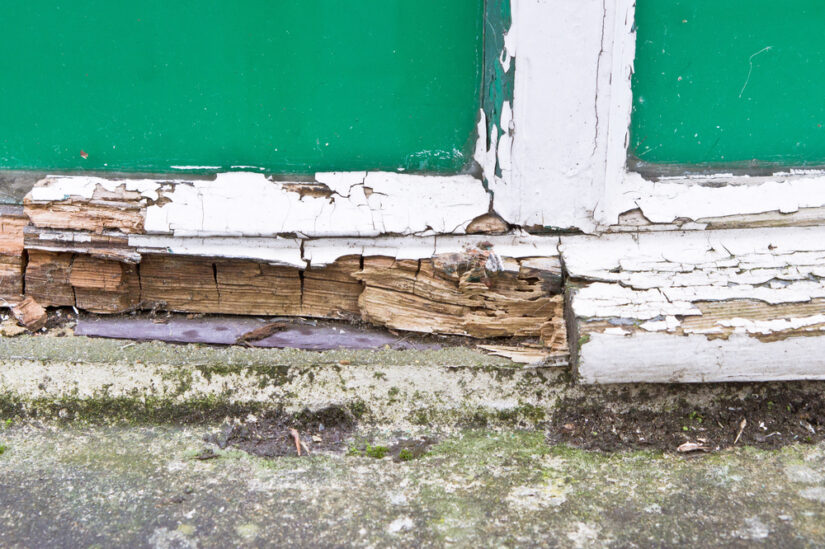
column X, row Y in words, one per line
column 297, row 438
column 742, row 426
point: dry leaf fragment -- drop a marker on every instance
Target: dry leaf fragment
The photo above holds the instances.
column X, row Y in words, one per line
column 689, row 447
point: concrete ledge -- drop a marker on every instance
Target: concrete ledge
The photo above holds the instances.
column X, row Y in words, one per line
column 103, row 379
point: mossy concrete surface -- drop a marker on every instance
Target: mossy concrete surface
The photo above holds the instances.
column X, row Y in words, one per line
column 142, row 486
column 78, row 378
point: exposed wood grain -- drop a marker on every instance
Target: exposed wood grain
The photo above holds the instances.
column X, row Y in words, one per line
column 104, row 286
column 488, row 224
column 47, row 278
column 92, row 205
column 12, row 222
column 332, row 291
column 90, row 283
column 459, row 294
column 199, row 285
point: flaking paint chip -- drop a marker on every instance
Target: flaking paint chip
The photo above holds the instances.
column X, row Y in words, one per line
column 83, row 154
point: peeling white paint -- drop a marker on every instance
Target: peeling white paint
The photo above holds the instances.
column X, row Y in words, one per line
column 59, row 236
column 688, row 198
column 708, row 265
column 277, row 251
column 564, row 105
column 341, row 183
column 699, row 306
column 767, row 327
column 600, row 300
column 56, row 188
column 319, row 252
column 249, row 204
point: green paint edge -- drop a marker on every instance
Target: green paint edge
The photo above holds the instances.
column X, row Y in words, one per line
column 497, row 84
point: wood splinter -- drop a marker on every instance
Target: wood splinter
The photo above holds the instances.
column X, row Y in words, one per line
column 30, row 314
column 261, row 333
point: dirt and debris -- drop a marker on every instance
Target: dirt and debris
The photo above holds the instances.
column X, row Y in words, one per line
column 762, row 415
column 11, row 328
column 206, row 454
column 331, row 430
column 403, row 449
column 277, row 435
column 690, row 447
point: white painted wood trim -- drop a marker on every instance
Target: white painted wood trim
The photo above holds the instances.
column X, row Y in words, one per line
column 708, row 199
column 571, row 117
column 702, row 199
column 559, row 143
column 697, row 306
column 244, row 204
column 661, row 358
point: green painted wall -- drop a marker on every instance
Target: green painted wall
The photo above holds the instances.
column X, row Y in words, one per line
column 292, row 86
column 729, row 82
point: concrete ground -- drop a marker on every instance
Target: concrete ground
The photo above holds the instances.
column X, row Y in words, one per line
column 104, row 444
column 145, row 487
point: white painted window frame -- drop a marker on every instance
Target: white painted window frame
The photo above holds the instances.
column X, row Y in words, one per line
column 571, row 115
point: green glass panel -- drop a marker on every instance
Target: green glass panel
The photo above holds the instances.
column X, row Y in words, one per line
column 292, row 86
column 729, row 82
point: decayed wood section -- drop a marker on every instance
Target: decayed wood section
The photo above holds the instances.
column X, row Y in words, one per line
column 473, row 294
column 12, row 223
column 48, row 278
column 192, row 285
column 95, row 206
column 464, row 294
column 728, row 305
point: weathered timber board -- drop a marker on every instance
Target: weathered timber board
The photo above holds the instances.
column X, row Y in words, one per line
column 730, row 305
column 475, row 294
column 192, row 285
column 460, row 294
column 47, row 278
column 12, row 223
